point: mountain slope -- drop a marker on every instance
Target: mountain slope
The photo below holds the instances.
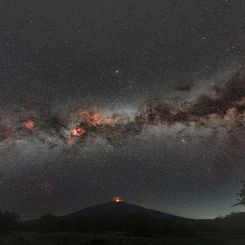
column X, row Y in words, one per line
column 119, row 210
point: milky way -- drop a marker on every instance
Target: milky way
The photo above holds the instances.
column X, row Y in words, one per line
column 225, row 107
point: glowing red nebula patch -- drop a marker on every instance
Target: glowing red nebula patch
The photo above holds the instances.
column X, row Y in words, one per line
column 29, row 124
column 96, row 119
column 77, row 132
column 92, row 118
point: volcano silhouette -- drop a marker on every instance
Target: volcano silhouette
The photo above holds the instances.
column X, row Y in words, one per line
column 119, row 210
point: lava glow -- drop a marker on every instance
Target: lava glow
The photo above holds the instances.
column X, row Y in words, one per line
column 117, row 199
column 29, row 124
column 77, row 132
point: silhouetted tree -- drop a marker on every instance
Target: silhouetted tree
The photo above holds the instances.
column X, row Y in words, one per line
column 8, row 221
column 233, row 223
column 241, row 194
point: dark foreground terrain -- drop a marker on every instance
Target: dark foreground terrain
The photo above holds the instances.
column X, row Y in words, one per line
column 77, row 238
column 121, row 223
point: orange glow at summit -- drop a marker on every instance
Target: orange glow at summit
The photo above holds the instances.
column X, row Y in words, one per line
column 117, row 199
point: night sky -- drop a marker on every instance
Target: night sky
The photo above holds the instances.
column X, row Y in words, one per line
column 142, row 99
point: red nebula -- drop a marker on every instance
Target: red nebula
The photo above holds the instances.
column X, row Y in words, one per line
column 96, row 119
column 77, row 132
column 29, row 124
column 92, row 118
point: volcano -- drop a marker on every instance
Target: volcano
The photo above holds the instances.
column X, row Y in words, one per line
column 119, row 210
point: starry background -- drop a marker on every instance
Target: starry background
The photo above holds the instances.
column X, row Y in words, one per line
column 115, row 56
